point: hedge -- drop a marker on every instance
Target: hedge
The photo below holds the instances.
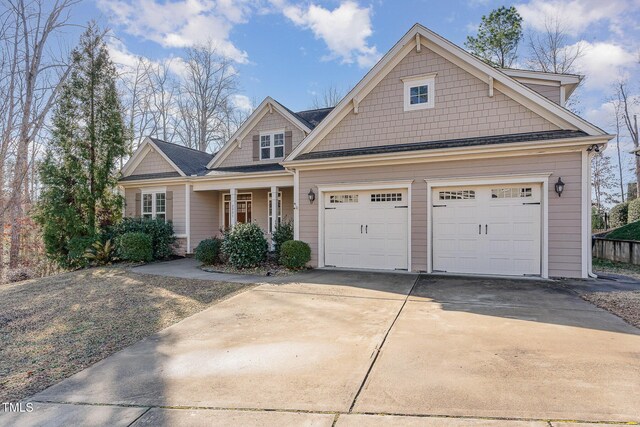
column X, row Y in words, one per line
column 295, row 254
column 245, row 245
column 135, row 247
column 619, row 214
column 208, row 251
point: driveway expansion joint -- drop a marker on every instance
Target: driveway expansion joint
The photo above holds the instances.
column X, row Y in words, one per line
column 378, row 348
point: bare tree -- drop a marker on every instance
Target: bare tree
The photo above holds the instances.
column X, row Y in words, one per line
column 603, row 180
column 163, row 90
column 39, row 76
column 328, row 97
column 630, row 121
column 550, row 50
column 135, row 93
column 205, row 94
column 617, row 105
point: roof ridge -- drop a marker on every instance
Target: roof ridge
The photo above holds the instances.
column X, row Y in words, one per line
column 181, row 146
column 315, row 109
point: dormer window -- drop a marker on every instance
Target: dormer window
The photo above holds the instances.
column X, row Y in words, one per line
column 272, row 145
column 419, row 92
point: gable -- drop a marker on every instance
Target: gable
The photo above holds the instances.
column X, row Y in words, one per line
column 552, row 93
column 462, row 109
column 242, row 155
column 152, row 163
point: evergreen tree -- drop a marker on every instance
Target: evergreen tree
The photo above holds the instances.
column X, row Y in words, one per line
column 79, row 173
column 498, row 37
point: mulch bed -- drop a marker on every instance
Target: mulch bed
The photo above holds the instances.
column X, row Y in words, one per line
column 624, row 304
column 266, row 269
column 53, row 327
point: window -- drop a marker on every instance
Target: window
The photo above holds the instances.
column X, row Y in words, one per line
column 508, row 193
column 419, row 92
column 154, row 205
column 344, row 198
column 457, row 195
column 279, row 220
column 386, row 197
column 272, row 145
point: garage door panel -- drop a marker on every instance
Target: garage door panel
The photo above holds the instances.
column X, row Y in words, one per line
column 374, row 225
column 495, row 230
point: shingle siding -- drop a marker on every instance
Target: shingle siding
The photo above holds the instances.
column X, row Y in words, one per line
column 271, row 121
column 552, row 93
column 153, row 162
column 462, row 109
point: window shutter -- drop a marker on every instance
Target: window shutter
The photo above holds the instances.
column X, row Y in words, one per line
column 256, row 147
column 138, row 211
column 169, row 206
column 288, row 142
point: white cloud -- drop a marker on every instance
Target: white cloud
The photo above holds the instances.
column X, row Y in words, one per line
column 577, row 15
column 345, row 30
column 603, row 63
column 182, row 23
column 242, row 102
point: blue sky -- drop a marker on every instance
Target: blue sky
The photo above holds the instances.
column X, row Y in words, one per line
column 291, row 50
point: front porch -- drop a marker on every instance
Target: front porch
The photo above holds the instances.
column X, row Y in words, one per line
column 215, row 210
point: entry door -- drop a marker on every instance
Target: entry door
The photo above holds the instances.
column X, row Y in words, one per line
column 487, row 230
column 366, row 229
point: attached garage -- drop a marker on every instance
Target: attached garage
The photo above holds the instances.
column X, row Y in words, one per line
column 366, row 229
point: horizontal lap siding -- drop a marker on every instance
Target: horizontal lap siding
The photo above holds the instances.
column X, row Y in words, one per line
column 271, row 121
column 179, row 215
column 462, row 109
column 564, row 212
column 205, row 216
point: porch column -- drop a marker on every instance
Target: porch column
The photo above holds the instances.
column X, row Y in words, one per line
column 274, row 213
column 233, row 207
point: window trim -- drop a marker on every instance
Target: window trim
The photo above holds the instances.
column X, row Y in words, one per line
column 428, row 80
column 269, row 231
column 154, row 212
column 272, row 147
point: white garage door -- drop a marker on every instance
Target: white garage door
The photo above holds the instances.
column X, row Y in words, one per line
column 366, row 229
column 487, row 230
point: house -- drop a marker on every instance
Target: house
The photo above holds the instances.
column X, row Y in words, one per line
column 433, row 162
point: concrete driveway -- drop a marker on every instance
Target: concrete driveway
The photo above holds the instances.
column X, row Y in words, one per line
column 334, row 348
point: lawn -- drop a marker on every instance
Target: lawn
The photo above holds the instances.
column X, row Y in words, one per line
column 622, row 268
column 626, row 232
column 53, row 327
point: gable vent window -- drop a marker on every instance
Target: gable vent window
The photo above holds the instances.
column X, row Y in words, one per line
column 509, row 193
column 419, row 92
column 344, row 198
column 457, row 195
column 272, row 145
column 386, row 197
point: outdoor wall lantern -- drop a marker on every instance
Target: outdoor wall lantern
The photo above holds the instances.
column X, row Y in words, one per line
column 559, row 187
column 312, row 196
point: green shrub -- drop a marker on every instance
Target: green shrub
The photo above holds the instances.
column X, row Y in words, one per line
column 633, row 214
column 76, row 247
column 161, row 234
column 208, row 251
column 244, row 245
column 597, row 219
column 295, row 254
column 282, row 233
column 135, row 247
column 619, row 214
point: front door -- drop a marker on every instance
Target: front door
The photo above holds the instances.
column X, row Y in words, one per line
column 243, row 213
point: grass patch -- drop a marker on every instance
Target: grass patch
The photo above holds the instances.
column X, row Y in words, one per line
column 622, row 268
column 626, row 232
column 53, row 327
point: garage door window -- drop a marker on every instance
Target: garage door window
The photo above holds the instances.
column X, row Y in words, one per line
column 344, row 198
column 509, row 193
column 457, row 195
column 386, row 197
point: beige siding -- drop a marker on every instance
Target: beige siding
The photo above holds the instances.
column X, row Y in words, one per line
column 179, row 225
column 564, row 212
column 271, row 121
column 205, row 216
column 153, row 162
column 552, row 93
column 462, row 109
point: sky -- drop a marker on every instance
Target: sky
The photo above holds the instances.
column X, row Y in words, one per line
column 293, row 50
